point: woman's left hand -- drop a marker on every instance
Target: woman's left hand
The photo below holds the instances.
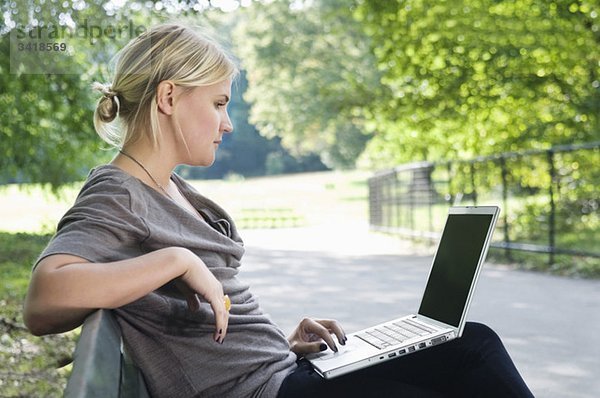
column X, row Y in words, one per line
column 314, row 335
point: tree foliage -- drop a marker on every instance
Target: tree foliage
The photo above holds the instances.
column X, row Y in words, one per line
column 412, row 79
column 46, row 130
column 475, row 77
column 310, row 73
column 246, row 152
column 44, row 121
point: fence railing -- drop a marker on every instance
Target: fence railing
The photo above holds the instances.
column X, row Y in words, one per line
column 550, row 199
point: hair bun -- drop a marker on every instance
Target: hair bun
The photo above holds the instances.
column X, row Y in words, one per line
column 109, row 104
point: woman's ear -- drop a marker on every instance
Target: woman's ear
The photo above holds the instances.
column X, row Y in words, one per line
column 165, row 97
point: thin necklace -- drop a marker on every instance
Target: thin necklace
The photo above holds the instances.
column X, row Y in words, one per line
column 147, row 172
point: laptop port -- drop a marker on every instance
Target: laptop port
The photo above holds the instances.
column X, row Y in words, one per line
column 438, row 340
column 393, row 354
column 422, row 345
column 411, row 349
column 402, row 352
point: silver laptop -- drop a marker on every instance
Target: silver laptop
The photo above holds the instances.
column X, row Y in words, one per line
column 460, row 254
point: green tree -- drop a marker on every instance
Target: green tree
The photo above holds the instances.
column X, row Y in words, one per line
column 44, row 122
column 475, row 77
column 310, row 73
column 245, row 152
column 46, row 127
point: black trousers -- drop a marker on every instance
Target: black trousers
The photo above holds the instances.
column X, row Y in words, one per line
column 475, row 365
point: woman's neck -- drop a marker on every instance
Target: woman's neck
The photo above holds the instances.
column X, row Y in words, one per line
column 152, row 166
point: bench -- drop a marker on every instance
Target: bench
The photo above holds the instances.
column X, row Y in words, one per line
column 101, row 366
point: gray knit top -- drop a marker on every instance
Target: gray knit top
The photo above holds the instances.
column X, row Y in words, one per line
column 116, row 217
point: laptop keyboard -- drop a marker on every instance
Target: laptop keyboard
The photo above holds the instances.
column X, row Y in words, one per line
column 394, row 333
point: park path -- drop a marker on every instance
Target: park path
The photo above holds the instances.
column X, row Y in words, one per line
column 549, row 324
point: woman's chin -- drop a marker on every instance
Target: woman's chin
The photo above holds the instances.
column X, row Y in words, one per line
column 201, row 163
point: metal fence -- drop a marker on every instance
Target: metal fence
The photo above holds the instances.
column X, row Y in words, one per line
column 550, row 199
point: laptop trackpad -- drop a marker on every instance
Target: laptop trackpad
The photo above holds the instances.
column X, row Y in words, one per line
column 354, row 347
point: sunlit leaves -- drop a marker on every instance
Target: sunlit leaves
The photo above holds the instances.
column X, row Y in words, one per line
column 488, row 76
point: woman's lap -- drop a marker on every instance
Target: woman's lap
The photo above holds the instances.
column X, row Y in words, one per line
column 477, row 364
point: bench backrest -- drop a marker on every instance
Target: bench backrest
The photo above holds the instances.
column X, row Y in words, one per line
column 101, row 367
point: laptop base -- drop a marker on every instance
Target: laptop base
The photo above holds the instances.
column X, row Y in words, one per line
column 358, row 353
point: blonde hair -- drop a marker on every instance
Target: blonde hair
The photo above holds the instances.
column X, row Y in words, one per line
column 165, row 52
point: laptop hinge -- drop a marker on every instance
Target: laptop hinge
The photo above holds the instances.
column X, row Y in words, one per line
column 438, row 324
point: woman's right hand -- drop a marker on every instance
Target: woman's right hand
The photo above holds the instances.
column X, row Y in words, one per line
column 314, row 335
column 199, row 280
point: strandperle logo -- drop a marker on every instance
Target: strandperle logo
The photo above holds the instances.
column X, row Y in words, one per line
column 50, row 47
column 86, row 30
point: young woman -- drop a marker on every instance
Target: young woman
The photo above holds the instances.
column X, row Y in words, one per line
column 141, row 241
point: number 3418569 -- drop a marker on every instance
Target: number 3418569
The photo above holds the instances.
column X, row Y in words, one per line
column 42, row 47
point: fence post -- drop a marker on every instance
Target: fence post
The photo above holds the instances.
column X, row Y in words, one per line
column 504, row 174
column 397, row 204
column 430, row 196
column 385, row 192
column 552, row 218
column 473, row 184
column 449, row 169
column 372, row 202
column 411, row 204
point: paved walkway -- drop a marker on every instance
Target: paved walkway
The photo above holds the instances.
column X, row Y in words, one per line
column 549, row 324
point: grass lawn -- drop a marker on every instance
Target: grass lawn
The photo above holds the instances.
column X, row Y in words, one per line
column 315, row 197
column 31, row 366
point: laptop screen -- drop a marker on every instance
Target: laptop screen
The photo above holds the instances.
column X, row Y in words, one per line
column 454, row 267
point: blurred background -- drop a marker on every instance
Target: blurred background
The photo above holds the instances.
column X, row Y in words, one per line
column 376, row 113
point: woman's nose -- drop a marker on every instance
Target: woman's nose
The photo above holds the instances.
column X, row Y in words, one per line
column 227, row 126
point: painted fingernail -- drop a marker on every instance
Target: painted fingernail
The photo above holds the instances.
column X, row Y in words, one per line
column 323, row 347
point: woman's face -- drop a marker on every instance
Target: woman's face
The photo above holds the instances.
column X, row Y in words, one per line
column 203, row 119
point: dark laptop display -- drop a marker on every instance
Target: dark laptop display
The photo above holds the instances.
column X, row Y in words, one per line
column 454, row 266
